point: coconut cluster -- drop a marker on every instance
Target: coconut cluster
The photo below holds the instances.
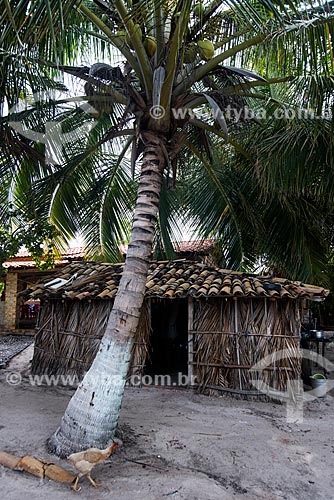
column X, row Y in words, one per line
column 204, row 48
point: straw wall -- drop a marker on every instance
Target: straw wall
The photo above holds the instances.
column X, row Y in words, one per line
column 69, row 334
column 226, row 338
column 230, row 336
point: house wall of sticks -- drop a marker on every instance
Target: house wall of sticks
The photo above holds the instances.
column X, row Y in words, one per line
column 226, row 338
column 68, row 336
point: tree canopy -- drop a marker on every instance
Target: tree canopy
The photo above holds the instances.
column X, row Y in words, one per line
column 269, row 57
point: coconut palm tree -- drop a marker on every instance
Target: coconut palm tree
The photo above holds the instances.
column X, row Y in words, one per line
column 181, row 69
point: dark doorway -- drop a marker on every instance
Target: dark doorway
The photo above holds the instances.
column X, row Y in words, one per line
column 169, row 340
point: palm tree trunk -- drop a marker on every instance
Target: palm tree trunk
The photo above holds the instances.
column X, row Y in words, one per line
column 92, row 414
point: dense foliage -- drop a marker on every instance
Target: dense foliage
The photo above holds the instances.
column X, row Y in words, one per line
column 250, row 156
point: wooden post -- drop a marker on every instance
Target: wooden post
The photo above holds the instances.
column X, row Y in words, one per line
column 190, row 340
column 237, row 338
column 266, row 316
column 298, row 306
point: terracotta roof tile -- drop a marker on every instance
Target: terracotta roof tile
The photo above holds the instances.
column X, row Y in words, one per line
column 195, row 246
column 22, row 259
column 179, row 278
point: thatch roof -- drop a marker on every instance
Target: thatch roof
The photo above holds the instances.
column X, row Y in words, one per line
column 175, row 279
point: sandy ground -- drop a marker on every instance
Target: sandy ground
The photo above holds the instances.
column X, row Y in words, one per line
column 177, row 445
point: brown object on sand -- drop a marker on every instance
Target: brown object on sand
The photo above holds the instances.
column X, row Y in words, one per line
column 38, row 467
column 57, row 473
column 9, row 460
column 31, row 465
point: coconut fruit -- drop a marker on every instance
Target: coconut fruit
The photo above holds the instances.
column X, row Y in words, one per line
column 137, row 29
column 206, row 49
column 190, row 53
column 199, row 10
column 150, row 45
column 121, row 35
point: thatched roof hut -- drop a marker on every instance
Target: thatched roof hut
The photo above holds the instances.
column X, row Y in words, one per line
column 213, row 324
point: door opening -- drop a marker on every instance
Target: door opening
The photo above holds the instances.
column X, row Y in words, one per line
column 169, row 340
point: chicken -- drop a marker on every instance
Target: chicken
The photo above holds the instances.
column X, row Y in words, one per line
column 85, row 461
